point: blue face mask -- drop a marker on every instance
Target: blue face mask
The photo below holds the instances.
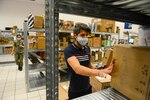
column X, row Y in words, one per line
column 82, row 41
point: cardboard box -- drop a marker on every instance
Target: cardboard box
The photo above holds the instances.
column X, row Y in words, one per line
column 63, row 90
column 41, row 42
column 38, row 22
column 107, row 26
column 68, row 25
column 97, row 41
column 40, row 34
column 131, row 74
column 90, row 42
column 96, row 56
column 99, row 83
column 63, row 44
column 107, row 58
column 64, row 39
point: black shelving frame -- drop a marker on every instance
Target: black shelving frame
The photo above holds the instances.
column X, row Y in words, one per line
column 90, row 8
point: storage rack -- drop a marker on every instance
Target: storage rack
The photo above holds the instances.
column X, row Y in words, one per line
column 34, row 80
column 91, row 8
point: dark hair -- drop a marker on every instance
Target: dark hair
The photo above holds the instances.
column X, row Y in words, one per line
column 80, row 26
column 18, row 35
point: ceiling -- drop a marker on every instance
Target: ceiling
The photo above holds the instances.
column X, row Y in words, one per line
column 33, row 1
column 139, row 6
column 133, row 11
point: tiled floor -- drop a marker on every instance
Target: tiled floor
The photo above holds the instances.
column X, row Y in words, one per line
column 12, row 85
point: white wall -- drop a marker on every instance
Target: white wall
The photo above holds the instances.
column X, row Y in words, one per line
column 14, row 12
column 121, row 26
column 75, row 18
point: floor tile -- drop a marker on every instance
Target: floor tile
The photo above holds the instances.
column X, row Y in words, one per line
column 33, row 94
column 9, row 93
column 41, row 92
column 34, row 98
column 20, row 91
column 9, row 98
column 43, row 97
column 21, row 96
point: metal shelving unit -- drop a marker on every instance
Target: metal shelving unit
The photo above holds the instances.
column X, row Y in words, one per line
column 34, row 79
column 116, row 10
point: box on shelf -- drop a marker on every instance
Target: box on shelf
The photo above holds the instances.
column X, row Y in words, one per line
column 32, row 40
column 38, row 22
column 97, row 42
column 63, row 44
column 41, row 42
column 64, row 39
column 96, row 56
column 63, row 90
column 131, row 74
column 68, row 25
column 107, row 57
column 61, row 23
column 40, row 34
column 99, row 83
column 107, row 26
column 90, row 42
column 7, row 50
column 61, row 61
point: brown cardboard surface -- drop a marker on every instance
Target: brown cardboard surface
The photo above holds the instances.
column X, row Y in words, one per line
column 99, row 83
column 90, row 42
column 63, row 90
column 38, row 22
column 97, row 42
column 41, row 42
column 107, row 58
column 131, row 74
column 107, row 25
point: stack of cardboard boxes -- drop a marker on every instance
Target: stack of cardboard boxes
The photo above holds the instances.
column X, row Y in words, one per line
column 105, row 26
column 7, row 50
column 4, row 40
column 66, row 25
column 64, row 43
column 95, row 42
column 61, row 59
column 32, row 40
column 96, row 56
column 37, row 42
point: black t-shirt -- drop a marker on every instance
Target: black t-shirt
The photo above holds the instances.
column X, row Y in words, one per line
column 78, row 83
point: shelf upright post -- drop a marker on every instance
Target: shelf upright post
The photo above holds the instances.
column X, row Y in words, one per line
column 26, row 54
column 51, row 35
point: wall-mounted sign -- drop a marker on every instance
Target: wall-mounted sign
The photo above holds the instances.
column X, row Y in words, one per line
column 127, row 26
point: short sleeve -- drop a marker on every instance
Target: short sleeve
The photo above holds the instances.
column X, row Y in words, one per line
column 68, row 53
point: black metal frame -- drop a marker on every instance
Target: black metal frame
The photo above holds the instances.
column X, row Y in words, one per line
column 79, row 7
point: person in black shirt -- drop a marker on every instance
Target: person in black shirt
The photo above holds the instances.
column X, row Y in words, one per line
column 77, row 57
